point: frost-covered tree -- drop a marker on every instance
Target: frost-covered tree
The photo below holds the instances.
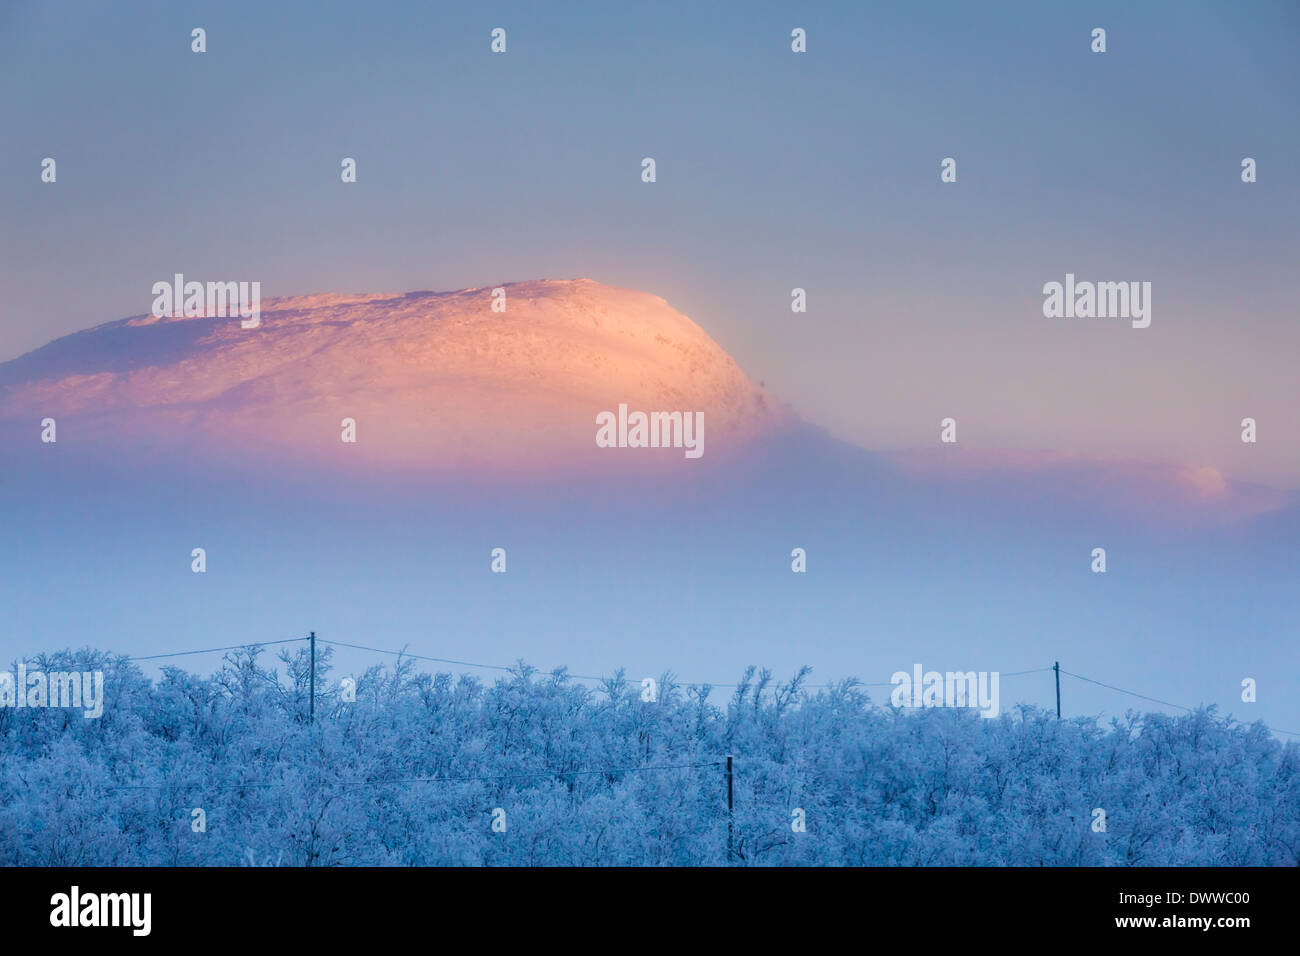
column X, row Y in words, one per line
column 418, row 767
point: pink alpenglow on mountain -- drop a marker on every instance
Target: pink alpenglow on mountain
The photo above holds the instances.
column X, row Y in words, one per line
column 434, row 381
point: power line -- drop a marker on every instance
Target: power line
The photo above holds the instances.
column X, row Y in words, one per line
column 421, row 657
column 500, row 667
column 1156, row 700
column 212, row 650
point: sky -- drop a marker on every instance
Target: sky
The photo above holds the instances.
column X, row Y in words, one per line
column 775, row 170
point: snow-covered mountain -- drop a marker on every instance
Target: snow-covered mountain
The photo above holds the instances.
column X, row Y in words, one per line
column 439, row 384
column 433, row 380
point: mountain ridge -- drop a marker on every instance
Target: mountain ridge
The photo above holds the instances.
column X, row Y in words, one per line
column 430, row 378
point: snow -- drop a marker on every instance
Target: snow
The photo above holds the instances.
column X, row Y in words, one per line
column 432, row 378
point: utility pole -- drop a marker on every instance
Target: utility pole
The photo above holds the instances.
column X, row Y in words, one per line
column 1057, row 667
column 730, row 828
column 313, row 680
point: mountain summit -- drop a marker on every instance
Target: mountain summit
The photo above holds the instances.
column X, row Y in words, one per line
column 431, row 379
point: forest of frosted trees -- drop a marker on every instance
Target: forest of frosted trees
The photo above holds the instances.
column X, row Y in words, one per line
column 411, row 772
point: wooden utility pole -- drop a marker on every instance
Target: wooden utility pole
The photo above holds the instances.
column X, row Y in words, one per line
column 1057, row 667
column 730, row 827
column 313, row 679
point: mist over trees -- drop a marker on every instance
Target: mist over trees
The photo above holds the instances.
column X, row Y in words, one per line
column 416, row 768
